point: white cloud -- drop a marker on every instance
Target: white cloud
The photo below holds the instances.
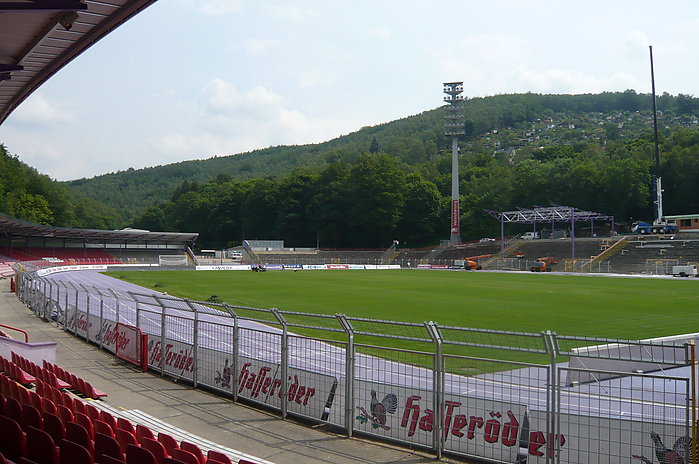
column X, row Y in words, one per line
column 216, row 7
column 40, row 111
column 287, row 11
column 259, row 47
column 637, row 45
column 317, row 78
column 382, row 33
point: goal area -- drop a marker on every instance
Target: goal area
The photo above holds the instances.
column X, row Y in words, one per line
column 173, row 260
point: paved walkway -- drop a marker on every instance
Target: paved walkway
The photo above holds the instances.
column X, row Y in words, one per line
column 220, row 420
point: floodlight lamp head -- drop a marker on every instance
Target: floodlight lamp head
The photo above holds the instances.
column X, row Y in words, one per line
column 68, row 19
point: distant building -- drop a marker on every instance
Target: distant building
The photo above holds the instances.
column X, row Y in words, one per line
column 685, row 221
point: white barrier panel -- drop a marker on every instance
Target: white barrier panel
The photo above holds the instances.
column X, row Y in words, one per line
column 479, row 427
column 84, row 267
column 227, row 267
column 35, row 352
column 388, row 266
column 587, row 439
column 177, row 357
column 314, row 266
column 308, row 393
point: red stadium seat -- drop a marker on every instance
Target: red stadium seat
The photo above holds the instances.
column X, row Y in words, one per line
column 143, row 432
column 54, row 427
column 103, row 427
column 137, row 455
column 185, row 456
column 13, row 409
column 125, row 439
column 155, row 447
column 93, row 393
column 194, row 449
column 168, row 442
column 125, row 424
column 104, row 459
column 86, row 422
column 93, row 412
column 73, row 453
column 78, row 434
column 65, row 414
column 104, row 444
column 31, row 417
column 171, row 460
column 40, row 447
column 13, row 442
column 49, row 406
column 109, row 419
column 220, row 457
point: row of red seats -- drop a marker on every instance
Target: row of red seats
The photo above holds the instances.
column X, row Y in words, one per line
column 104, row 438
column 15, row 372
column 82, row 386
column 37, row 372
column 57, row 377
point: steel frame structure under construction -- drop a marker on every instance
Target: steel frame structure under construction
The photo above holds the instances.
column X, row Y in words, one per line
column 549, row 214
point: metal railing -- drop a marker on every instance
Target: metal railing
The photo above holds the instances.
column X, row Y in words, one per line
column 446, row 396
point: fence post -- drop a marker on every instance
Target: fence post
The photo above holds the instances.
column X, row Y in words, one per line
column 236, row 350
column 349, row 374
column 101, row 330
column 553, row 424
column 284, row 360
column 437, row 388
column 195, row 342
column 162, row 334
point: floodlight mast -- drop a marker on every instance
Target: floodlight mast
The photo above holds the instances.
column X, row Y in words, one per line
column 454, row 127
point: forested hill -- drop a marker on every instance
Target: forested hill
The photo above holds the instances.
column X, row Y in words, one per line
column 517, row 126
column 33, row 197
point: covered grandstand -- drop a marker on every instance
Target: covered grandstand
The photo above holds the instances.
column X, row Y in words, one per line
column 28, row 242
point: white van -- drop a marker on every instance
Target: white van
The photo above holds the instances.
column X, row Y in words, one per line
column 530, row 235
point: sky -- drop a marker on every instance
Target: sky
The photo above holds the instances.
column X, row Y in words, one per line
column 193, row 79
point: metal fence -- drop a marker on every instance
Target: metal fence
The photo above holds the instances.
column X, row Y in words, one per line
column 493, row 395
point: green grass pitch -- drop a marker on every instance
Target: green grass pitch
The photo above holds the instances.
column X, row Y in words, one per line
column 623, row 308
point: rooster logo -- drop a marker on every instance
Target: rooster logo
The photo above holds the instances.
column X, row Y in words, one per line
column 379, row 410
column 666, row 455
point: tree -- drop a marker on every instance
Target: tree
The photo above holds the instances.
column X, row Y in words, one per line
column 374, row 148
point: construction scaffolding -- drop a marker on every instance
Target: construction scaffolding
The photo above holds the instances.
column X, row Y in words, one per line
column 551, row 215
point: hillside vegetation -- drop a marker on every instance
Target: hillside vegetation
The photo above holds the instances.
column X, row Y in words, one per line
column 416, row 141
column 33, row 197
column 392, row 181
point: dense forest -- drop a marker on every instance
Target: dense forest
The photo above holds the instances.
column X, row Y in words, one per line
column 379, row 198
column 392, row 181
column 28, row 195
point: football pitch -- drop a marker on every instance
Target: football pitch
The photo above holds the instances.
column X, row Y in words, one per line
column 623, row 308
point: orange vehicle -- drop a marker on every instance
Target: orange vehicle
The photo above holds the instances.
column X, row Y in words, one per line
column 543, row 264
column 540, row 266
column 471, row 264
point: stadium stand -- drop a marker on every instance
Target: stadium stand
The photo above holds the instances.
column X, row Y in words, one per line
column 645, row 255
column 30, row 430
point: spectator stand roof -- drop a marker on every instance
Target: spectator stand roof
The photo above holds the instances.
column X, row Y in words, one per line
column 39, row 37
column 16, row 228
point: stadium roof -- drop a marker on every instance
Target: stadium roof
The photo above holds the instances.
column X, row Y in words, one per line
column 555, row 213
column 11, row 227
column 39, row 37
